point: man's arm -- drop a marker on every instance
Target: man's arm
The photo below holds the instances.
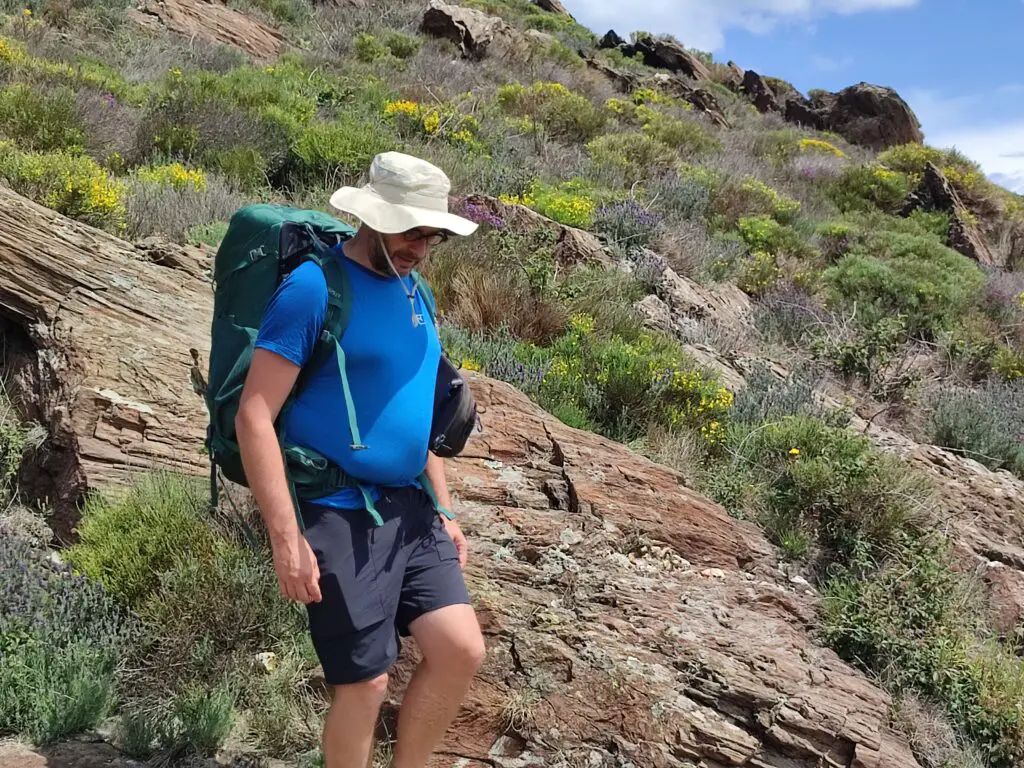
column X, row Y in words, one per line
column 435, row 473
column 267, row 385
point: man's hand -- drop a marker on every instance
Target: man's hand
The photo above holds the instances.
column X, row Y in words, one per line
column 297, row 572
column 461, row 545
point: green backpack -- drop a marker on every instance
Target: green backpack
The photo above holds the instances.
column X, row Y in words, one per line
column 263, row 244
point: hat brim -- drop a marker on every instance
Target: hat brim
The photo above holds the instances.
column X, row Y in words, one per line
column 391, row 218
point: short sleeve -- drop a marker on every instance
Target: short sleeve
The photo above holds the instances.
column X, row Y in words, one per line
column 295, row 315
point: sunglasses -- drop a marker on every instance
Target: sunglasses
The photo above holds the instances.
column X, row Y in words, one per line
column 433, row 238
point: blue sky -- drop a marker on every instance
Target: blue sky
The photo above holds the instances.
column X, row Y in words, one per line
column 958, row 63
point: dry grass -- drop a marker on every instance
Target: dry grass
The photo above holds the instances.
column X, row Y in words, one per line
column 160, row 210
column 932, row 737
column 690, row 251
column 485, row 300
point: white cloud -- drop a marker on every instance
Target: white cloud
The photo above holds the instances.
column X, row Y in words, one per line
column 702, row 23
column 999, row 150
column 831, row 64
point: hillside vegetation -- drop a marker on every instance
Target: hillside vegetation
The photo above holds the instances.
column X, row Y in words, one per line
column 870, row 312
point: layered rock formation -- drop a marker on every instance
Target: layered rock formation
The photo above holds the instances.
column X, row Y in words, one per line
column 477, row 34
column 211, row 21
column 628, row 619
column 937, row 194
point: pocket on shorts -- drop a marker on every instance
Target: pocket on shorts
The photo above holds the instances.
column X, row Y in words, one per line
column 446, row 549
column 347, row 553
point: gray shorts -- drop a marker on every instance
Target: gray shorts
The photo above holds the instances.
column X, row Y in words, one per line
column 375, row 581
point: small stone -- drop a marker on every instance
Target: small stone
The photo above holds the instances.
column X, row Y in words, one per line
column 267, row 660
column 799, row 581
column 713, row 573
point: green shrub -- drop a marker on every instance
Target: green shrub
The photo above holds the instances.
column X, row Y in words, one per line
column 734, row 198
column 915, row 619
column 1009, row 363
column 685, row 136
column 397, row 44
column 368, row 48
column 604, row 382
column 763, row 233
column 821, row 487
column 40, row 120
column 61, row 641
column 16, row 62
column 912, row 276
column 71, row 184
column 125, row 543
column 862, row 350
column 912, row 158
column 869, row 187
column 202, row 718
column 985, row 424
column 171, row 201
column 634, row 155
column 227, row 602
column 552, row 107
column 336, row 152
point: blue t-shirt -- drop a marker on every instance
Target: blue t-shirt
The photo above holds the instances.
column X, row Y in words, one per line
column 391, row 366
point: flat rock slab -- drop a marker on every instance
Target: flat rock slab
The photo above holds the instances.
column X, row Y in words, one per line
column 211, row 21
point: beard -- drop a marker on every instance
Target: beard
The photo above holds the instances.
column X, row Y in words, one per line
column 380, row 263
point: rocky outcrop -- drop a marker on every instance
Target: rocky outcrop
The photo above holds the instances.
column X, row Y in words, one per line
column 661, row 54
column 759, row 92
column 477, row 34
column 867, row 115
column 702, row 99
column 871, row 116
column 624, row 82
column 628, row 619
column 937, row 194
column 801, row 112
column 211, row 21
column 473, row 31
column 98, row 336
column 611, row 39
column 553, row 6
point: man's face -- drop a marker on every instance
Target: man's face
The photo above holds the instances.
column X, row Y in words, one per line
column 407, row 249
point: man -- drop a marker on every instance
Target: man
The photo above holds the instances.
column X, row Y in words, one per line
column 367, row 585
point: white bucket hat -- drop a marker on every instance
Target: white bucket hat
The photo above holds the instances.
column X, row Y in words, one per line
column 404, row 192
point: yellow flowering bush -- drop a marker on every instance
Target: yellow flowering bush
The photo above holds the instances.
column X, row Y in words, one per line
column 1009, row 363
column 443, row 121
column 16, row 60
column 868, row 187
column 553, row 108
column 783, row 209
column 174, row 175
column 760, row 273
column 569, row 203
column 68, row 183
column 823, row 147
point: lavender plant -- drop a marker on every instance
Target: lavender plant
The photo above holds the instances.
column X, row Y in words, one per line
column 61, row 638
column 626, row 224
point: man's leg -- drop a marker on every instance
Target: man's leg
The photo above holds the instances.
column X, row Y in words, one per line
column 435, row 608
column 350, row 723
column 353, row 626
column 453, row 650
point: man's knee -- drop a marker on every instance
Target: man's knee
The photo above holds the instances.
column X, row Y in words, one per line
column 463, row 654
column 366, row 695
